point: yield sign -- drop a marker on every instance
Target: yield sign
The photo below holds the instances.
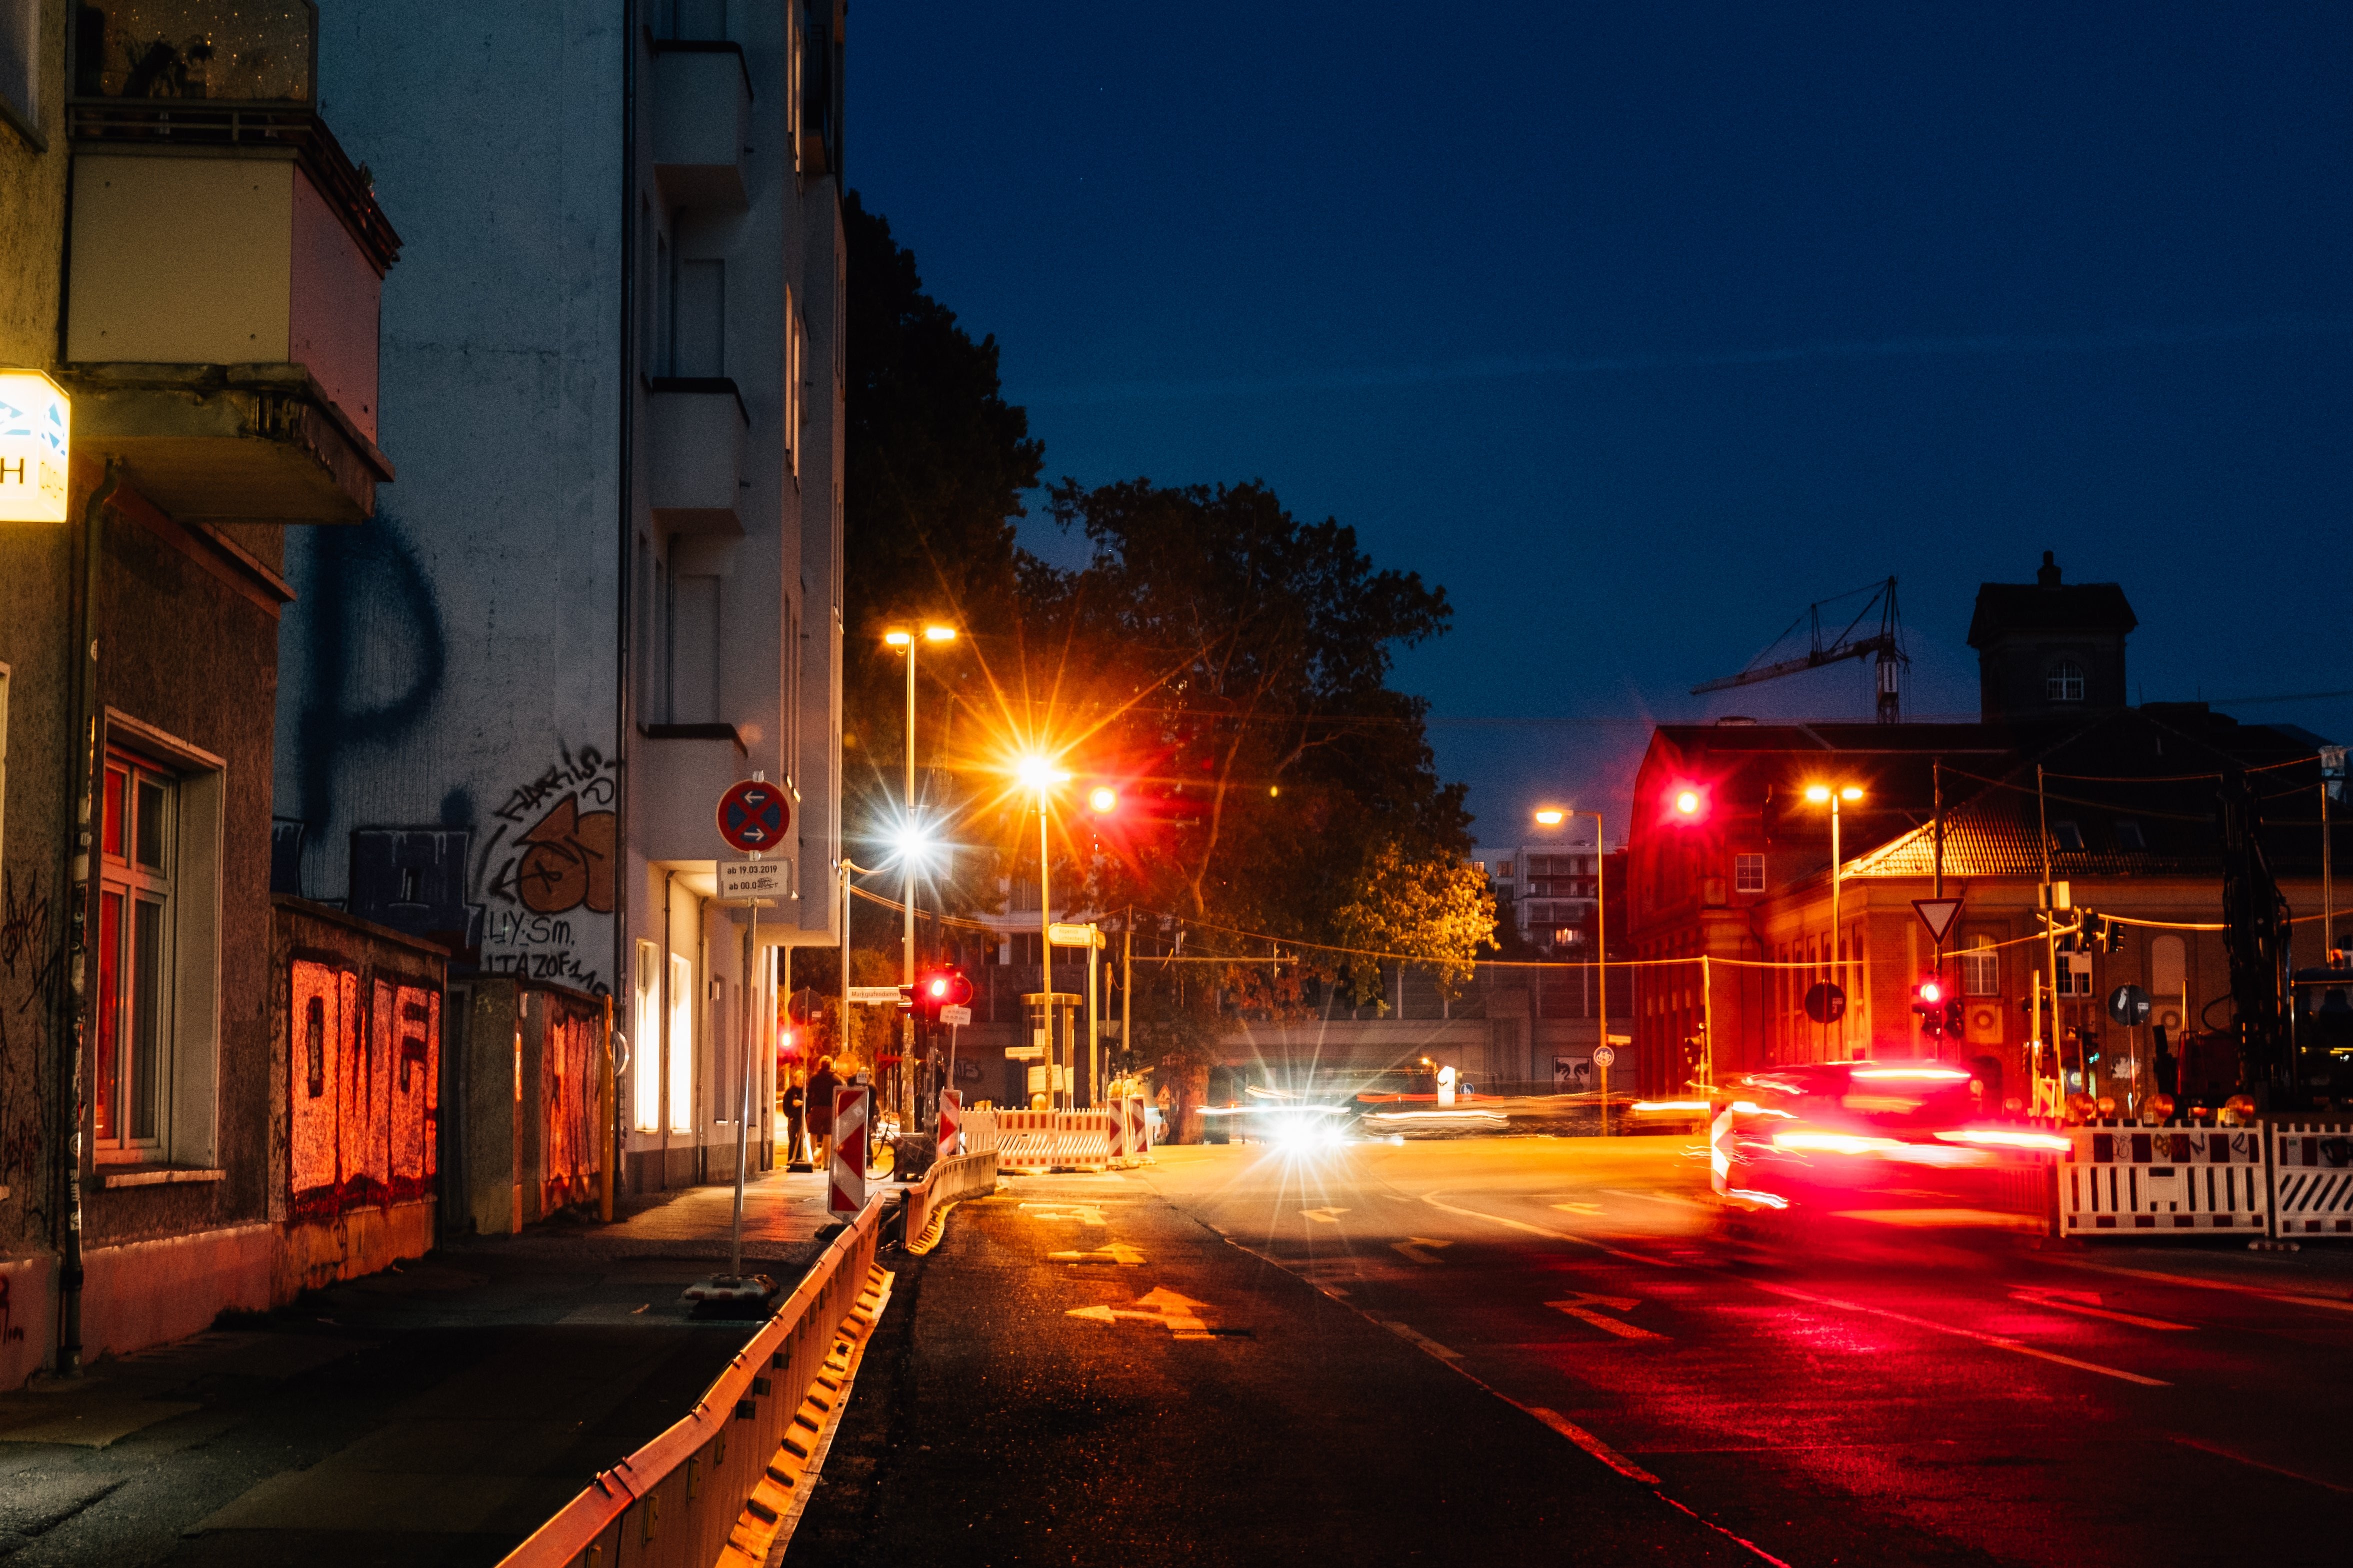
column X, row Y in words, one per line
column 1937, row 915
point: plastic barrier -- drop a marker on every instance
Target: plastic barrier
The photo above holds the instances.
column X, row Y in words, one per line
column 2312, row 1177
column 726, row 1473
column 2120, row 1175
column 1084, row 1139
column 1130, row 1133
column 969, row 1174
column 1025, row 1141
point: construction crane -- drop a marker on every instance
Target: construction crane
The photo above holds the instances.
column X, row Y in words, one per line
column 1886, row 645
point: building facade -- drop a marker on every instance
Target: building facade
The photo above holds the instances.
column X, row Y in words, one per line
column 190, row 266
column 610, row 584
column 2060, row 783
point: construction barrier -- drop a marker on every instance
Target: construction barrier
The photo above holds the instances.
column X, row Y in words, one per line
column 2312, row 1177
column 729, row 1476
column 2120, row 1175
column 1083, row 1141
column 1130, row 1141
column 1025, row 1141
column 1032, row 1142
column 968, row 1174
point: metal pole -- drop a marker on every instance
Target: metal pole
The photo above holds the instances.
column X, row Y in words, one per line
column 841, row 1046
column 2050, row 937
column 1707, row 1021
column 1046, row 965
column 2328, row 885
column 1128, row 985
column 1838, row 952
column 1601, row 946
column 743, row 1113
column 1095, row 1037
column 907, row 885
column 606, row 1098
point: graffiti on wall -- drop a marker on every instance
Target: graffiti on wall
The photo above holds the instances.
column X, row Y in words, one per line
column 575, row 1046
column 549, row 859
column 32, row 957
column 365, row 1063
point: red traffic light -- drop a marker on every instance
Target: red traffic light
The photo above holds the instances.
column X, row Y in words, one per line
column 1932, row 990
column 947, row 986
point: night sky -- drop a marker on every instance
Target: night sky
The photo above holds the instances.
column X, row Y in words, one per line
column 1638, row 327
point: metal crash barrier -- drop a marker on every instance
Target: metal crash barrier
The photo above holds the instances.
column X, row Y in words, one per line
column 967, row 1175
column 721, row 1484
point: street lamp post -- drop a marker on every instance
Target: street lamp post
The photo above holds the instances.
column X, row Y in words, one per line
column 1818, row 794
column 1040, row 774
column 1553, row 816
column 902, row 639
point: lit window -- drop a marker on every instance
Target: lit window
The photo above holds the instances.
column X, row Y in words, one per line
column 2066, row 835
column 1982, row 968
column 644, row 1068
column 133, row 1022
column 682, row 1043
column 1748, row 873
column 1480, row 866
column 2065, row 683
column 1502, row 868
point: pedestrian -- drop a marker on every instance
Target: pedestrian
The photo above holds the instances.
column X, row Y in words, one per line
column 821, row 1085
column 796, row 1102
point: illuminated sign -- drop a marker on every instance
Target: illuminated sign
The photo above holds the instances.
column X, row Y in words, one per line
column 36, row 433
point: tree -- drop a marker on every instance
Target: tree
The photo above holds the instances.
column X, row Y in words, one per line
column 1433, row 909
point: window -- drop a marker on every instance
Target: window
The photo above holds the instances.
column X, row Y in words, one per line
column 693, row 648
column 131, row 1001
column 1980, row 968
column 681, row 1044
column 1479, row 866
column 2064, row 682
column 1748, row 873
column 1504, row 869
column 2129, row 836
column 2066, row 835
column 20, row 63
column 644, row 1050
column 698, row 325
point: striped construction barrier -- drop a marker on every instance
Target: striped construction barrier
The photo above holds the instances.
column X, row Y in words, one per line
column 2312, row 1177
column 1134, row 1131
column 1084, row 1139
column 1025, row 1141
column 2122, row 1176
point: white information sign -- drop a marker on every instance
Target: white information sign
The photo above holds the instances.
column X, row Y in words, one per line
column 769, row 880
column 36, row 433
column 960, row 1016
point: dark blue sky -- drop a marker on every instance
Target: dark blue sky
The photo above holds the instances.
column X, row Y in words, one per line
column 1640, row 326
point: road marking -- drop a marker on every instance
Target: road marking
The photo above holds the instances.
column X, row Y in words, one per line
column 1324, row 1216
column 1411, row 1248
column 2088, row 1302
column 1117, row 1252
column 2331, row 1303
column 1406, row 1332
column 1999, row 1340
column 2258, row 1464
column 1582, row 1308
column 1996, row 1340
column 1180, row 1315
column 1080, row 1214
column 1591, row 1445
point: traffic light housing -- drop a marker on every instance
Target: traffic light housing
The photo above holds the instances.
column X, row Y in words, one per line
column 1939, row 1014
column 946, row 986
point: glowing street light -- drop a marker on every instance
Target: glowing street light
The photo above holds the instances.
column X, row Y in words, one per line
column 903, row 637
column 1551, row 817
column 1103, row 800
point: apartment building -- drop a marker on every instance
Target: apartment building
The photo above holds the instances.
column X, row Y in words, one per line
column 609, row 585
column 1549, row 888
column 190, row 269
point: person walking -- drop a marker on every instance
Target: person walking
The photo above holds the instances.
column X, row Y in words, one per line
column 796, row 1103
column 819, row 1111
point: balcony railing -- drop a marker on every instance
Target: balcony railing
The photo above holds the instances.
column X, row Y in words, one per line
column 701, row 122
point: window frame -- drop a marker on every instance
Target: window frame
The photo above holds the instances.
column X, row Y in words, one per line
column 2062, row 681
column 1981, row 966
column 1741, row 865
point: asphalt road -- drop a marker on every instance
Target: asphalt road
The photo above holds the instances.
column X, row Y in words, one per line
column 1561, row 1347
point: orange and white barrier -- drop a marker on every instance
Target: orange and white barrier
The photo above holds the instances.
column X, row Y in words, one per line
column 1025, row 1141
column 2312, row 1177
column 1130, row 1133
column 846, row 1183
column 1032, row 1142
column 949, row 1143
column 2121, row 1176
column 1082, row 1141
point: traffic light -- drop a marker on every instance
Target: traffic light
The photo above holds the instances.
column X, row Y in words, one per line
column 1938, row 1013
column 946, row 986
column 1952, row 1017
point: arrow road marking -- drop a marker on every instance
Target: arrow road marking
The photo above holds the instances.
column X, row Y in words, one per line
column 1584, row 1310
column 1080, row 1214
column 1180, row 1315
column 1112, row 1252
column 2088, row 1302
column 1411, row 1248
column 1324, row 1216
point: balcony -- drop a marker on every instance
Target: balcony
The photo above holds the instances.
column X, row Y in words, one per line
column 696, row 436
column 701, row 119
column 227, row 267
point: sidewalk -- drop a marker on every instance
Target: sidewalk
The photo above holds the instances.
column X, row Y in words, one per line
column 434, row 1414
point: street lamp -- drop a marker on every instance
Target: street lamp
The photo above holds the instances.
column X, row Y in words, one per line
column 911, row 840
column 1554, row 816
column 1819, row 794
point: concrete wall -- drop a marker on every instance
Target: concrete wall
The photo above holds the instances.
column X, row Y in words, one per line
column 450, row 759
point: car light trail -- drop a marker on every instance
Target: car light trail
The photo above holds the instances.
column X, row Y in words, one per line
column 2008, row 1138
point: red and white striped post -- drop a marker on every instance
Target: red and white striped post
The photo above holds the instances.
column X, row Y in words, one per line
column 846, row 1189
column 951, row 1140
